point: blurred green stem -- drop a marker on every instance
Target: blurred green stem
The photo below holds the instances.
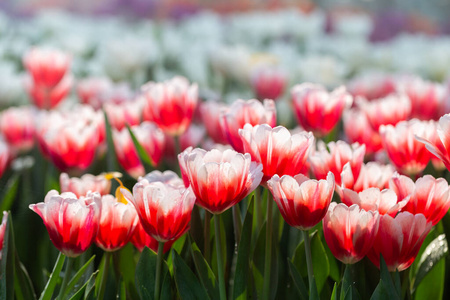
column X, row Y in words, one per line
column 104, row 280
column 223, row 294
column 66, row 279
column 258, row 210
column 206, row 233
column 268, row 254
column 158, row 270
column 309, row 264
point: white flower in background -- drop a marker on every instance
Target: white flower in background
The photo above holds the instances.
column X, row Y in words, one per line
column 309, row 24
column 12, row 91
column 353, row 25
column 325, row 69
column 232, row 62
column 437, row 60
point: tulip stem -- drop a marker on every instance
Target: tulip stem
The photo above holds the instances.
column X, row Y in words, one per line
column 223, row 295
column 67, row 272
column 159, row 260
column 258, row 202
column 309, row 265
column 104, row 280
column 206, row 235
column 268, row 254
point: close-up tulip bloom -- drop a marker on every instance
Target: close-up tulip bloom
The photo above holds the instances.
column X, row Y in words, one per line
column 334, row 159
column 406, row 153
column 116, row 224
column 386, row 111
column 82, row 185
column 372, row 174
column 72, row 223
column 279, row 152
column 2, row 231
column 170, row 104
column 428, row 196
column 316, row 109
column 17, row 127
column 164, row 209
column 399, row 240
column 219, row 179
column 242, row 112
column 350, row 231
column 303, row 202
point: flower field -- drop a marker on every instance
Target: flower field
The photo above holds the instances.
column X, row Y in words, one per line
column 252, row 155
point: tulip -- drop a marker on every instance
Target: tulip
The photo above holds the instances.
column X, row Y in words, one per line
column 385, row 201
column 386, row 111
column 316, row 109
column 268, row 82
column 279, row 152
column 339, row 154
column 170, row 104
column 242, row 112
column 350, row 231
column 17, row 127
column 219, row 179
column 427, row 196
column 2, row 231
column 408, row 155
column 82, row 185
column 123, row 114
column 399, row 240
column 116, row 225
column 91, row 91
column 358, row 130
column 303, row 202
column 5, row 156
column 71, row 222
column 211, row 117
column 371, row 86
column 372, row 174
column 141, row 239
column 50, row 80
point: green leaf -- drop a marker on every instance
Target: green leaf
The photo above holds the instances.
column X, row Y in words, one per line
column 145, row 274
column 89, row 292
column 127, row 268
column 206, row 275
column 241, row 275
column 10, row 192
column 177, row 246
column 380, row 293
column 23, row 286
column 321, row 266
column 298, row 281
column 76, row 278
column 433, row 253
column 386, row 279
column 122, row 292
column 432, row 285
column 111, row 160
column 335, row 292
column 82, row 291
column 188, row 285
column 347, row 282
column 7, row 262
column 54, row 278
column 142, row 153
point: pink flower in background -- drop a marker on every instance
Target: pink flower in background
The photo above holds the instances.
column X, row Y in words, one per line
column 50, row 79
column 164, row 208
column 149, row 136
column 318, row 110
column 386, row 111
column 219, row 179
column 372, row 174
column 279, row 152
column 335, row 158
column 439, row 146
column 303, row 202
column 81, row 186
column 192, row 137
column 242, row 112
column 408, row 155
column 268, row 82
column 91, row 90
column 427, row 196
column 350, row 231
column 211, row 117
column 385, row 201
column 125, row 113
column 117, row 223
column 2, row 231
column 426, row 97
column 399, row 240
column 371, row 86
column 72, row 223
column 358, row 130
column 17, row 127
column 170, row 104
column 70, row 139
